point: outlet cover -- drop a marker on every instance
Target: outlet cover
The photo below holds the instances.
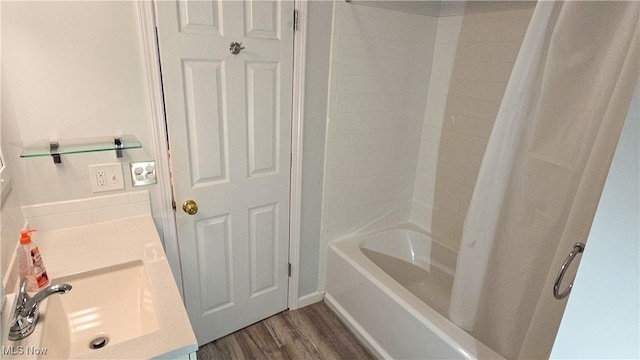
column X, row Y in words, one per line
column 143, row 173
column 106, row 177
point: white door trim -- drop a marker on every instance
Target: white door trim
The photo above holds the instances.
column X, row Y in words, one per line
column 147, row 33
column 297, row 131
column 148, row 36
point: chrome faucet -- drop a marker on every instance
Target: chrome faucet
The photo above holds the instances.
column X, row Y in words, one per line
column 25, row 316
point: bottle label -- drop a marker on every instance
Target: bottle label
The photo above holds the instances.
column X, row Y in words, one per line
column 38, row 268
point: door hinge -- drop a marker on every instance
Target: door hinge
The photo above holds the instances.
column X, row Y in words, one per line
column 173, row 204
column 295, row 20
column 289, row 270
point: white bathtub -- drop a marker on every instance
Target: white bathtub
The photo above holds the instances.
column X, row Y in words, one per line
column 392, row 320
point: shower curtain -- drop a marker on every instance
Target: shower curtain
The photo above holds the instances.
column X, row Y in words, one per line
column 543, row 171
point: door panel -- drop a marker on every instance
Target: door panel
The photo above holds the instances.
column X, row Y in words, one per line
column 263, row 97
column 261, row 19
column 263, row 235
column 199, row 16
column 206, row 121
column 214, row 250
column 229, row 125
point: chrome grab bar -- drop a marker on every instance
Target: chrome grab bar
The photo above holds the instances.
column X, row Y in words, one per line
column 577, row 248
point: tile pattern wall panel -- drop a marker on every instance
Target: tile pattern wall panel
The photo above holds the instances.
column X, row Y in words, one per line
column 263, row 235
column 380, row 68
column 443, row 60
column 214, row 263
column 199, row 16
column 473, row 58
column 206, row 121
column 13, row 221
column 79, row 212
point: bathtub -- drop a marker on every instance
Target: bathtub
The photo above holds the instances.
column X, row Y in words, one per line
column 399, row 312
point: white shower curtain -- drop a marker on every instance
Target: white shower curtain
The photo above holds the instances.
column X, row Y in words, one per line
column 543, row 171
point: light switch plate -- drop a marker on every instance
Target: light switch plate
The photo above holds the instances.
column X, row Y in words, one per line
column 143, row 173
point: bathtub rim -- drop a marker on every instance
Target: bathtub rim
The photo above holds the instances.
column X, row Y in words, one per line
column 465, row 344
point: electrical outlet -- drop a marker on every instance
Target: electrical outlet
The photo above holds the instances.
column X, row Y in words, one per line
column 106, row 177
column 143, row 173
column 101, row 178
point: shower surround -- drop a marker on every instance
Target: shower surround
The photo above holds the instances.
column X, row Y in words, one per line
column 411, row 105
column 412, row 102
column 536, row 188
column 473, row 58
column 380, row 66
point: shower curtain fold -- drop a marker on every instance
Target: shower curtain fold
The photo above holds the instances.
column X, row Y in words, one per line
column 543, row 170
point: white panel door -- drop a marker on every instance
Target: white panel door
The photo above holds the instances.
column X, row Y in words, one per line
column 229, row 125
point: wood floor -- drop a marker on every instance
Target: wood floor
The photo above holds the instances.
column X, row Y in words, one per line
column 312, row 332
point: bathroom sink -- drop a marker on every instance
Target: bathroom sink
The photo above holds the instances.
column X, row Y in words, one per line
column 122, row 291
column 105, row 307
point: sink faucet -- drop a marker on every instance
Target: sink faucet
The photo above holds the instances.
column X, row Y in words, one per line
column 25, row 316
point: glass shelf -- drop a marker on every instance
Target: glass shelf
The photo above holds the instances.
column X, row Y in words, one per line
column 104, row 144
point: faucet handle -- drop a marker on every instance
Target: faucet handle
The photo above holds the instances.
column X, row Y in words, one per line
column 25, row 317
column 23, row 297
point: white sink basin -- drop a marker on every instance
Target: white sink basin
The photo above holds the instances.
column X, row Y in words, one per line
column 113, row 303
column 122, row 289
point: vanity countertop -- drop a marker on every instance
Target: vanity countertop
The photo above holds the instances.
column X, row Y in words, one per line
column 81, row 249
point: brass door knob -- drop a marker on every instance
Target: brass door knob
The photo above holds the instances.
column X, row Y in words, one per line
column 190, row 207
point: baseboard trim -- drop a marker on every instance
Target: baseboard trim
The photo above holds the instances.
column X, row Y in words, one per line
column 309, row 299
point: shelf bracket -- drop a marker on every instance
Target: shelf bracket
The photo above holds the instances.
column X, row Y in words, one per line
column 118, row 144
column 53, row 149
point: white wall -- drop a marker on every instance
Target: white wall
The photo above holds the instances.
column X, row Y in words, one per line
column 473, row 58
column 412, row 104
column 320, row 15
column 602, row 317
column 12, row 223
column 71, row 71
column 380, row 67
column 444, row 55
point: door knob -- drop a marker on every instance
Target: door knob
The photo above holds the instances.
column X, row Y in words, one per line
column 190, row 207
column 235, row 47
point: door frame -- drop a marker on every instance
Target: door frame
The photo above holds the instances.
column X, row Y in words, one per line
column 164, row 213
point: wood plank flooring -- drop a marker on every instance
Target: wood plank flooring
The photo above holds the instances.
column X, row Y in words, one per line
column 312, row 332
